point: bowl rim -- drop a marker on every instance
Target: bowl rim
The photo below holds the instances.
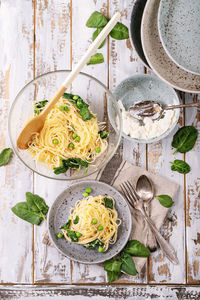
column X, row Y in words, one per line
column 166, row 133
column 64, row 71
column 89, row 182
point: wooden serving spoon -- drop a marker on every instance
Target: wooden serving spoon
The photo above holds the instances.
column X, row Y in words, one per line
column 36, row 123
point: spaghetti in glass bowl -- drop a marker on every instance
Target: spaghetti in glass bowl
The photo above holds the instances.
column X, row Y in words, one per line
column 78, row 138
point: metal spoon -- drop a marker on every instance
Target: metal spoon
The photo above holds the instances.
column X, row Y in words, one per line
column 145, row 191
column 153, row 109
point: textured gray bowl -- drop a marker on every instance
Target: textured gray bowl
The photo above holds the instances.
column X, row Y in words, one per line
column 59, row 213
column 143, row 87
column 179, row 30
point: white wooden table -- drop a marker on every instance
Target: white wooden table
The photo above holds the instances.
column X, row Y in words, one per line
column 37, row 36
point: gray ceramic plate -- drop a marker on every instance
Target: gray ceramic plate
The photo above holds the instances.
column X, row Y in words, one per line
column 156, row 56
column 179, row 29
column 136, row 18
column 59, row 213
column 143, row 87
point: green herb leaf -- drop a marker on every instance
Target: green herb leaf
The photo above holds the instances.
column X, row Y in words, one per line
column 95, row 34
column 5, row 156
column 92, row 245
column 119, row 32
column 96, row 59
column 128, row 265
column 112, row 276
column 165, row 200
column 66, row 226
column 59, row 170
column 39, row 106
column 185, row 139
column 108, row 202
column 72, row 235
column 96, row 20
column 103, row 134
column 22, row 210
column 68, row 96
column 76, row 220
column 36, row 203
column 135, row 248
column 112, row 265
column 180, row 166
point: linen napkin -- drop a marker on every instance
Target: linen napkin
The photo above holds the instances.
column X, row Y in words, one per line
column 118, row 171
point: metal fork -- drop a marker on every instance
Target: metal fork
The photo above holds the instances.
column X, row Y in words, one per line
column 134, row 201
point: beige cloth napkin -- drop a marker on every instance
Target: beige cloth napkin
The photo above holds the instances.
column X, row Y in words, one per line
column 119, row 172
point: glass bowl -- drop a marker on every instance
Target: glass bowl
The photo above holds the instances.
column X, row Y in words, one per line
column 90, row 90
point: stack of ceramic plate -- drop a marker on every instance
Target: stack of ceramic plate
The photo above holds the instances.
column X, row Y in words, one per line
column 166, row 36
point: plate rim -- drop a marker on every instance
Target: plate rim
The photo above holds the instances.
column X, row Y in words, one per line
column 89, row 181
column 152, row 65
column 163, row 41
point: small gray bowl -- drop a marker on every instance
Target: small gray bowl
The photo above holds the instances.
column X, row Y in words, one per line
column 59, row 213
column 141, row 87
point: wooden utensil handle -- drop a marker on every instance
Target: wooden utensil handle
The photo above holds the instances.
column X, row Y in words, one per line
column 86, row 57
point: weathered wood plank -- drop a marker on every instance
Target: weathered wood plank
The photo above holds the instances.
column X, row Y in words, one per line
column 52, row 32
column 193, row 200
column 81, row 39
column 123, row 63
column 135, row 292
column 160, row 269
column 16, row 69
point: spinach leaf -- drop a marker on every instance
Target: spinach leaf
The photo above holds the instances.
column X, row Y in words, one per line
column 59, row 170
column 165, row 200
column 68, row 96
column 112, row 265
column 38, row 107
column 95, row 34
column 96, row 59
column 36, row 204
column 22, row 210
column 96, row 20
column 112, row 276
column 185, row 139
column 135, row 248
column 66, row 226
column 180, row 166
column 5, row 156
column 103, row 134
column 72, row 235
column 119, row 32
column 128, row 265
column 108, row 202
column 73, row 163
column 76, row 220
column 92, row 245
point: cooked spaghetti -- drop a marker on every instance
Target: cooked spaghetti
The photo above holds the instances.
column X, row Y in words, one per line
column 94, row 221
column 68, row 133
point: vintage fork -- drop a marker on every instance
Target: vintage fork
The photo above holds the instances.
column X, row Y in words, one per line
column 134, row 201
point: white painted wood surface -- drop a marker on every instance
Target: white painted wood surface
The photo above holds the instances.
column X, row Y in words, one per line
column 40, row 36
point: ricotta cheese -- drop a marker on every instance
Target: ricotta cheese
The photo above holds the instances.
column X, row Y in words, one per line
column 149, row 129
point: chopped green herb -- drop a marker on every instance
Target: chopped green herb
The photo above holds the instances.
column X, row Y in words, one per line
column 75, row 97
column 39, row 106
column 72, row 235
column 103, row 134
column 108, row 202
column 92, row 245
column 76, row 220
column 66, row 226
